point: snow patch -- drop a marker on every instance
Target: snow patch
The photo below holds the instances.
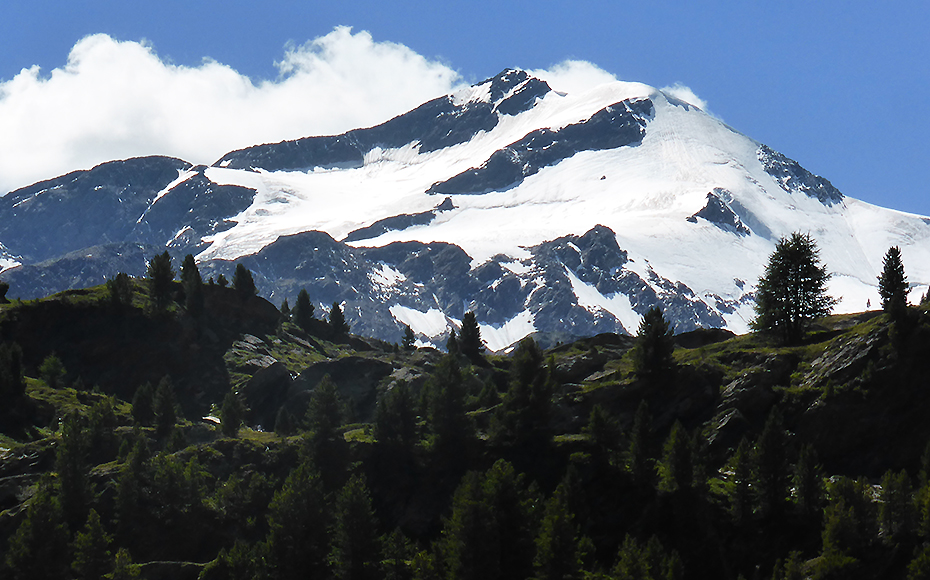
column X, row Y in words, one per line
column 498, row 338
column 593, row 301
column 386, row 276
column 431, row 323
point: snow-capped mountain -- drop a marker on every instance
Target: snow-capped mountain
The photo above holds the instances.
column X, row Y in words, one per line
column 563, row 214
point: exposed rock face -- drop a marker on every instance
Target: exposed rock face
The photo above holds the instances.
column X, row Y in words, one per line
column 433, row 125
column 615, row 126
column 122, row 203
column 794, row 178
column 719, row 213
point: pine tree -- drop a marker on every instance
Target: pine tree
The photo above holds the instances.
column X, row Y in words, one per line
column 193, row 286
column 285, row 309
column 808, row 482
column 222, row 281
column 557, row 555
column 123, row 568
column 470, row 342
column 160, row 275
column 676, row 468
column 38, row 550
column 231, row 414
column 452, row 343
column 337, row 321
column 638, row 454
column 297, row 541
column 119, row 289
column 449, row 426
column 395, row 420
column 303, row 311
column 741, row 500
column 892, row 283
column 325, row 443
column 71, row 464
column 652, row 355
column 793, row 291
column 92, row 559
column 409, row 338
column 355, row 554
column 770, row 474
column 470, row 546
column 4, row 288
column 896, row 512
column 243, row 282
column 165, row 407
column 52, row 371
column 143, row 409
column 603, row 434
column 523, row 415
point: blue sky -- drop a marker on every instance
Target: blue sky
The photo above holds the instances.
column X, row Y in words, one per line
column 839, row 86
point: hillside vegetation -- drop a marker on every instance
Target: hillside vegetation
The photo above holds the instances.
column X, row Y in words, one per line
column 226, row 441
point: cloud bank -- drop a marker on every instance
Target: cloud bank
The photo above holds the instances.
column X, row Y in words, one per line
column 114, row 100
column 118, row 99
column 683, row 93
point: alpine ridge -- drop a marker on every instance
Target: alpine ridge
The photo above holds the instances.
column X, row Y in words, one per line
column 560, row 214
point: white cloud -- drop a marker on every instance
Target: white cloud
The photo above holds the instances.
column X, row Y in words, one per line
column 114, row 100
column 573, row 76
column 684, row 93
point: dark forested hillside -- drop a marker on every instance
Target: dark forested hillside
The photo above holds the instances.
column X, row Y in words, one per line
column 193, row 430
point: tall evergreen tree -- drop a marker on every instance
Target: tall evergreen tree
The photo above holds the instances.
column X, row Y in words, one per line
column 285, row 309
column 119, row 289
column 297, row 541
column 808, row 482
column 770, row 473
column 325, row 442
column 123, row 568
column 395, row 419
column 676, row 468
column 337, row 321
column 469, row 544
column 557, row 554
column 409, row 338
column 4, row 288
column 896, row 511
column 470, row 343
column 638, row 455
column 159, row 275
column 243, row 282
column 303, row 310
column 652, row 354
column 193, row 286
column 231, row 414
column 143, row 408
column 52, row 371
column 449, row 426
column 164, row 407
column 523, row 415
column 71, row 464
column 38, row 550
column 892, row 283
column 741, row 500
column 355, row 554
column 792, row 292
column 92, row 559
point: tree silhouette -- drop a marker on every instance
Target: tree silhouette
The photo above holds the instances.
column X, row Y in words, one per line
column 652, row 355
column 243, row 282
column 303, row 311
column 337, row 321
column 470, row 342
column 160, row 275
column 892, row 283
column 792, row 292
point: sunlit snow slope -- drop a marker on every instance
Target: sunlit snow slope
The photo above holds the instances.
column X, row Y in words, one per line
column 561, row 214
column 645, row 192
